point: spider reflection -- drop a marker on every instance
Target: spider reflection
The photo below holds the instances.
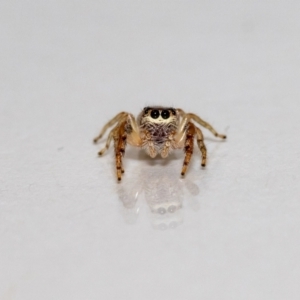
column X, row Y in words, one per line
column 165, row 195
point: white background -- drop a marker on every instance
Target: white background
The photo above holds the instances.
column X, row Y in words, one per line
column 69, row 231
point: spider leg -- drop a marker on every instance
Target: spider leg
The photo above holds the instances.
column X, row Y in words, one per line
column 188, row 146
column 125, row 131
column 108, row 141
column 120, row 143
column 206, row 125
column 180, row 112
column 201, row 145
column 110, row 123
column 134, row 137
column 186, row 117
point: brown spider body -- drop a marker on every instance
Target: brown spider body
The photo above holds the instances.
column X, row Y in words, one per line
column 158, row 130
column 157, row 134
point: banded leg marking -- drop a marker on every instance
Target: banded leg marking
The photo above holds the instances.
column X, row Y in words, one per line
column 120, row 144
column 201, row 146
column 188, row 146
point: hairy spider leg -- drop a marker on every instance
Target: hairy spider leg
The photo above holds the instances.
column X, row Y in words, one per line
column 201, row 145
column 186, row 117
column 120, row 143
column 188, row 146
column 110, row 123
column 207, row 125
column 108, row 141
column 134, row 138
column 125, row 131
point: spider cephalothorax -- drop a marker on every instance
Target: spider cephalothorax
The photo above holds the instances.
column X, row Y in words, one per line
column 158, row 130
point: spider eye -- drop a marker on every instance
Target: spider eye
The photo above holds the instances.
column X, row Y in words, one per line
column 173, row 111
column 146, row 110
column 154, row 114
column 165, row 114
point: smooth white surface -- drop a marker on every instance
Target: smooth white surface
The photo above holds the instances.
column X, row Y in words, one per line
column 69, row 231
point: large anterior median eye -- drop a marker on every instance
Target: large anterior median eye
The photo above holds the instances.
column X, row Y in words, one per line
column 165, row 114
column 154, row 114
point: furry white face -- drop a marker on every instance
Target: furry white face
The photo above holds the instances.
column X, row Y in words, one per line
column 158, row 115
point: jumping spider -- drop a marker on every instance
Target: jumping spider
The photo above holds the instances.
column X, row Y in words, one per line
column 157, row 130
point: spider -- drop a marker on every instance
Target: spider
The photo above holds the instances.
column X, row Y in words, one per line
column 158, row 130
